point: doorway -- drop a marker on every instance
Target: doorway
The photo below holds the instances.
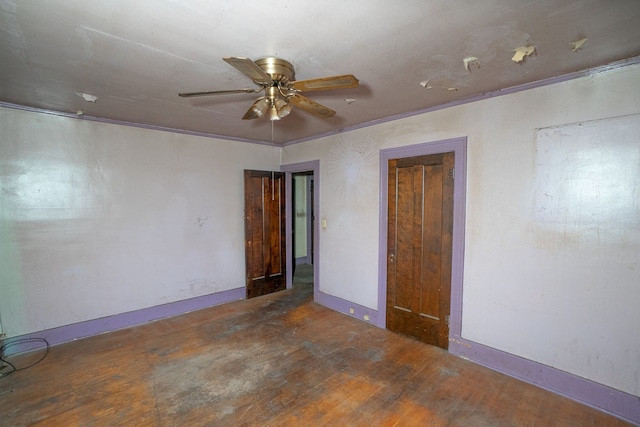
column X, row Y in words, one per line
column 303, row 218
column 311, row 171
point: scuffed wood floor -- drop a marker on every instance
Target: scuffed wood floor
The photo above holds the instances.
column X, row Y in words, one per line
column 277, row 360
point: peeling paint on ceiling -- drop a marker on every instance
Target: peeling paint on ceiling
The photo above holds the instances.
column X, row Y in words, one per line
column 136, row 56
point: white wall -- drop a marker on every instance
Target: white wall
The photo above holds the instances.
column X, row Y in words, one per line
column 527, row 290
column 98, row 219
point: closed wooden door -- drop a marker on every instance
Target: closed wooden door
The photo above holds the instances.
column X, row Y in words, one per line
column 420, row 247
column 264, row 209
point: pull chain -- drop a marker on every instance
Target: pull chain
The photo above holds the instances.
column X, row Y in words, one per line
column 273, row 178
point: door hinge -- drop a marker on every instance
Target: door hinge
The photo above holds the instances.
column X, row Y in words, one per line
column 446, row 319
column 452, row 173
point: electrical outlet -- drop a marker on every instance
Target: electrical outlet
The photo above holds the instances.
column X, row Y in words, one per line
column 366, row 317
column 351, row 310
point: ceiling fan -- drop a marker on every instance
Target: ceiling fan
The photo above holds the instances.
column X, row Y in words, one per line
column 275, row 77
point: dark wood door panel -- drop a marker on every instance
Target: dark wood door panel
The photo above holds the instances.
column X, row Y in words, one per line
column 419, row 246
column 264, row 232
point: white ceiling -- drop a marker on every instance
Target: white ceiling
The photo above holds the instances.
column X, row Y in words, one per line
column 135, row 56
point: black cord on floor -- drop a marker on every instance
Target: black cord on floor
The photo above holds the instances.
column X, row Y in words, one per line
column 12, row 367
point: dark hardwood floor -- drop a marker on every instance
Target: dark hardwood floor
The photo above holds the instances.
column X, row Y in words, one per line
column 275, row 360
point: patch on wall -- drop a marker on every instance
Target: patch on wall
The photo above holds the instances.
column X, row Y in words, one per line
column 353, row 167
column 587, row 180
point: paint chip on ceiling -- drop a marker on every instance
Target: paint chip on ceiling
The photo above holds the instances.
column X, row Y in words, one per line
column 522, row 52
column 87, row 97
column 577, row 45
column 470, row 60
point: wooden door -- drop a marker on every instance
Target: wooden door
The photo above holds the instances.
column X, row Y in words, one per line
column 264, row 207
column 420, row 247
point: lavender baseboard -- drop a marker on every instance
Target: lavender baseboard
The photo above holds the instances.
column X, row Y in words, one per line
column 366, row 314
column 93, row 327
column 599, row 396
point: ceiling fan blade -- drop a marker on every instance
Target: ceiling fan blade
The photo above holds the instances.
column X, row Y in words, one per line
column 310, row 106
column 249, row 69
column 217, row 92
column 325, row 83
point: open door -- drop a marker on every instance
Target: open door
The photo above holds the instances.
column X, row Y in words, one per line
column 264, row 207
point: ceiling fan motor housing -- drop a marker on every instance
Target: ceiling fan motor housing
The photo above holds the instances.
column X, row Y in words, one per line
column 279, row 69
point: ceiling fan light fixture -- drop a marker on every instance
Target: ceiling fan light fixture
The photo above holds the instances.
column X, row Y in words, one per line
column 283, row 108
column 273, row 113
column 261, row 106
